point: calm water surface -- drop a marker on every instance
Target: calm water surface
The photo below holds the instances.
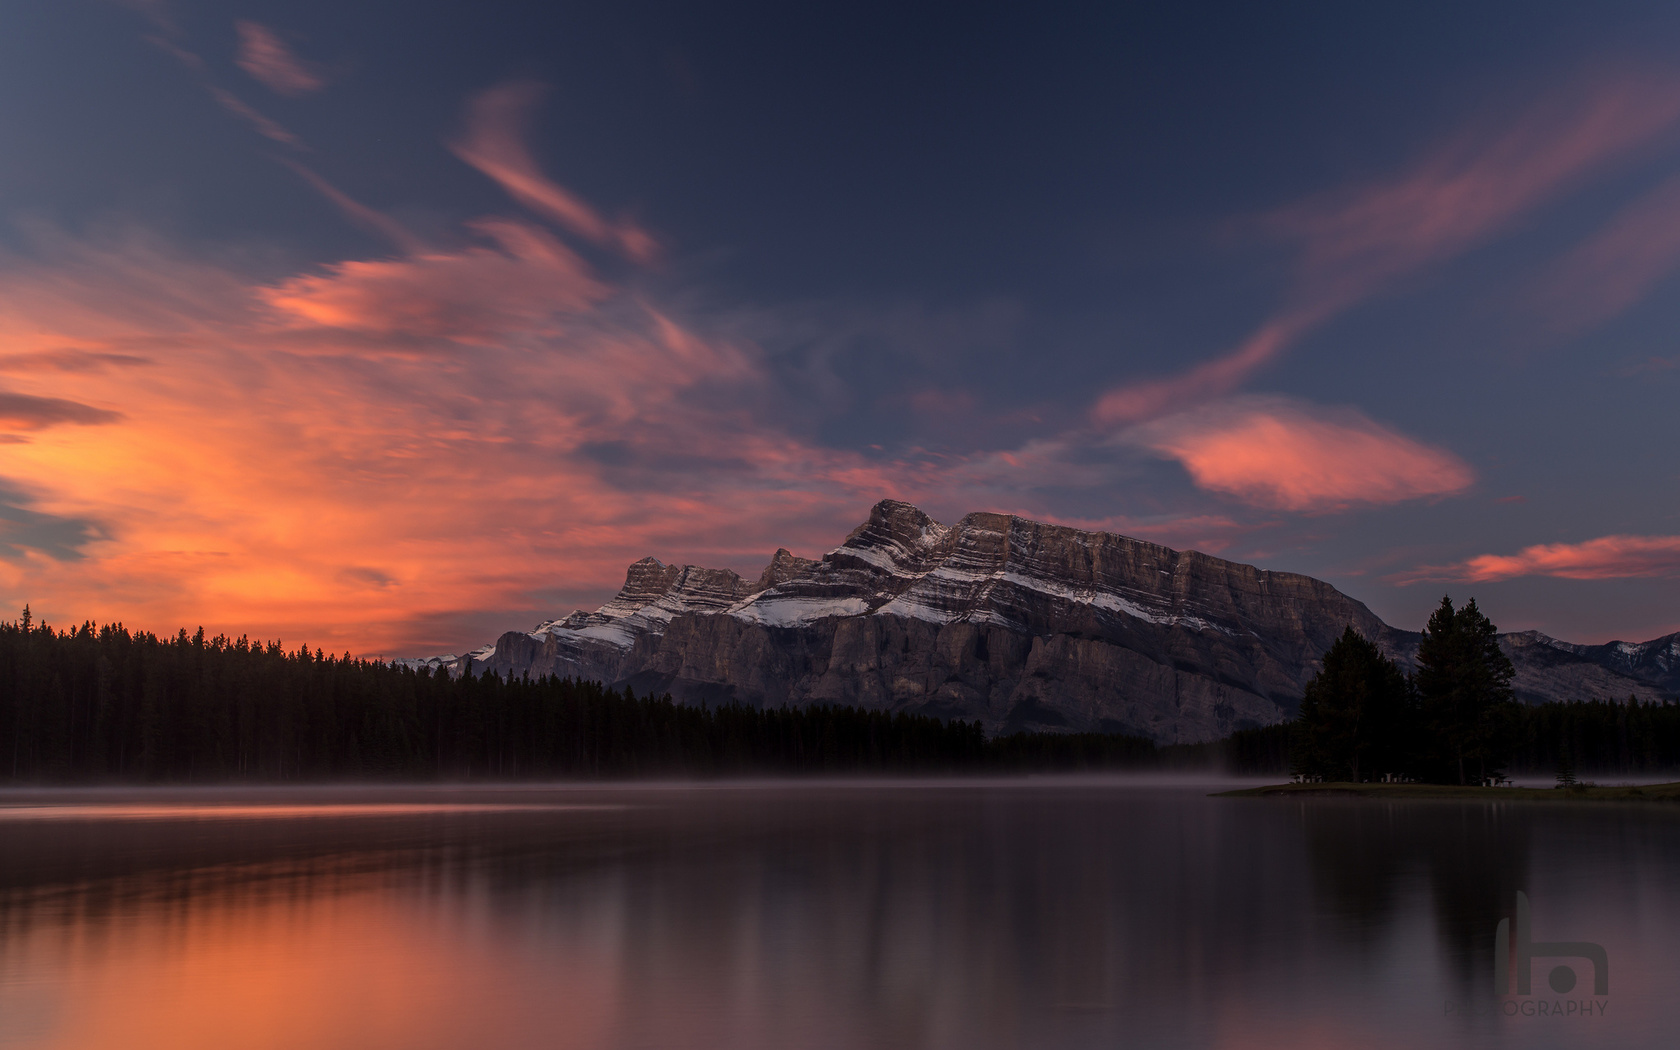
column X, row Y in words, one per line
column 1028, row 914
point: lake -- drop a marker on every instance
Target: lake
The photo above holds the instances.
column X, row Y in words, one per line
column 1033, row 913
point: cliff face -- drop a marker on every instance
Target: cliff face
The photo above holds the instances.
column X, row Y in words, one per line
column 1014, row 622
column 1017, row 623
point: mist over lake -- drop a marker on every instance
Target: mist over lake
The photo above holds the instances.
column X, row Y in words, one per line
column 767, row 526
column 1037, row 912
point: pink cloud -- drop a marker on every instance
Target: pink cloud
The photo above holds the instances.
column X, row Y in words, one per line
column 68, row 361
column 267, row 58
column 166, row 39
column 265, row 127
column 1272, row 452
column 286, row 466
column 1150, row 398
column 1618, row 266
column 469, row 295
column 494, row 144
column 1605, row 558
column 1476, row 184
column 357, row 212
column 356, row 453
column 1355, row 243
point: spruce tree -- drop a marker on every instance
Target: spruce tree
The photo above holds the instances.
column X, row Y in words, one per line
column 1469, row 715
column 1357, row 716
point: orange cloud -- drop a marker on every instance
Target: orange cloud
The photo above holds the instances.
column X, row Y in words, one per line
column 468, row 295
column 370, row 454
column 67, row 361
column 1355, row 243
column 1271, row 452
column 360, row 455
column 267, row 58
column 494, row 144
column 1605, row 558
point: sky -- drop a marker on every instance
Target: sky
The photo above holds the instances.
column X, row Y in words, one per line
column 388, row 327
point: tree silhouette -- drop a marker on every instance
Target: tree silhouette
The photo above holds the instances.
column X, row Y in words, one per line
column 1357, row 717
column 1468, row 713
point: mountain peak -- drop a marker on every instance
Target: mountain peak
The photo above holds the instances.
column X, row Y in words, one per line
column 784, row 566
column 1017, row 623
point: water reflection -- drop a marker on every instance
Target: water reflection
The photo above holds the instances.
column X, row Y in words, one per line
column 1368, row 858
column 819, row 916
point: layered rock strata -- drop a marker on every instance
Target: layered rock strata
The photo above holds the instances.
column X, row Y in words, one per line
column 1017, row 623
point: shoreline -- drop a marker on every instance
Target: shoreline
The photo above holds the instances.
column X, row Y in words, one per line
column 1669, row 792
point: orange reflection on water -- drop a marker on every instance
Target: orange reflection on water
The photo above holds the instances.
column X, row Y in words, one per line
column 277, row 810
column 360, row 969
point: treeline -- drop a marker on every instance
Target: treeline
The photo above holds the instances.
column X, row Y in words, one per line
column 103, row 704
column 1456, row 720
column 1601, row 738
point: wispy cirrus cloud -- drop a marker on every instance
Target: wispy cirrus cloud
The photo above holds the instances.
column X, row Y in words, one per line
column 1618, row 266
column 1150, row 398
column 494, row 143
column 469, row 295
column 265, row 57
column 358, row 213
column 166, row 37
column 281, row 469
column 1355, row 243
column 1284, row 454
column 359, row 450
column 267, row 128
column 69, row 360
column 268, row 60
column 1604, row 558
column 364, row 447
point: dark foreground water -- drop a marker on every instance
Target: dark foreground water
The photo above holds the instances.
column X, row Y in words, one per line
column 1036, row 914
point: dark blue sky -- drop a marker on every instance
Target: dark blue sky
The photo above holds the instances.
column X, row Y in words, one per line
column 971, row 256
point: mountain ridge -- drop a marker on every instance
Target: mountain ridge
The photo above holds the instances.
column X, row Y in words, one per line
column 1017, row 623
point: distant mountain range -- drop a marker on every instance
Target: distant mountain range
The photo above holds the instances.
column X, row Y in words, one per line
column 1020, row 624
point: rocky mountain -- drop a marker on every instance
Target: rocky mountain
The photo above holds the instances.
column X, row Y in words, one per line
column 1017, row 623
column 1550, row 670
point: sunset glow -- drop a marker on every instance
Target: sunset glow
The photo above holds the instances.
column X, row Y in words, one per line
column 403, row 380
column 765, row 526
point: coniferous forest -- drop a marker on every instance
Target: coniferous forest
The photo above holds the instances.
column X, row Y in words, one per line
column 102, row 704
column 1456, row 721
